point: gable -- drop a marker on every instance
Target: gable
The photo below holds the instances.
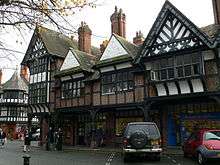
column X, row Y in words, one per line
column 174, row 35
column 172, row 31
column 69, row 62
column 113, row 49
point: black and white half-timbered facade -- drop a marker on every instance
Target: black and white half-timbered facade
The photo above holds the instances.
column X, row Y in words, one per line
column 182, row 67
column 13, row 106
column 171, row 78
column 44, row 55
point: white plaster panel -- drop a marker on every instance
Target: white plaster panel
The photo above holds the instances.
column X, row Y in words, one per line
column 197, row 85
column 35, row 78
column 39, row 77
column 107, row 69
column 123, row 65
column 161, row 90
column 172, row 88
column 113, row 49
column 208, row 55
column 31, row 79
column 77, row 75
column 65, row 78
column 184, row 87
column 44, row 76
column 69, row 62
column 148, row 66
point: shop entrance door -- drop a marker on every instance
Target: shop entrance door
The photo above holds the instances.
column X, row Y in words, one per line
column 171, row 131
column 81, row 134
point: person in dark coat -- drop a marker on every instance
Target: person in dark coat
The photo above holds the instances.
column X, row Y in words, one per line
column 59, row 145
column 27, row 141
column 50, row 139
column 2, row 137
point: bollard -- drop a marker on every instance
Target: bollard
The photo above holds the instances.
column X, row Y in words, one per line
column 26, row 159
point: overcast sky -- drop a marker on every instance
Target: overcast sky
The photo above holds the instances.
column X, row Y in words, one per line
column 140, row 15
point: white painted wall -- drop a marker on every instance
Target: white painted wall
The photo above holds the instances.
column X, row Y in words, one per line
column 172, row 88
column 161, row 90
column 184, row 87
column 197, row 85
column 70, row 61
column 113, row 49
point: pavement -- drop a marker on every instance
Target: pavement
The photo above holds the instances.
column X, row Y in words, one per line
column 166, row 151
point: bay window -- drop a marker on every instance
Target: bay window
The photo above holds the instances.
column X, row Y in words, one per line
column 176, row 67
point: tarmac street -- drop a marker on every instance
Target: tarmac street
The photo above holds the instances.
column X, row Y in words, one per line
column 12, row 154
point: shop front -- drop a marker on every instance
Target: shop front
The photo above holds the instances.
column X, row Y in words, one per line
column 183, row 119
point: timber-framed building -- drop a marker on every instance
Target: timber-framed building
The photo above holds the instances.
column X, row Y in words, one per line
column 171, row 77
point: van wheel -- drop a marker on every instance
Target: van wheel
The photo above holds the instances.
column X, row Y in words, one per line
column 200, row 158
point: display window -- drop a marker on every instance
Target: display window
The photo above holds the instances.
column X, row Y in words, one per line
column 121, row 123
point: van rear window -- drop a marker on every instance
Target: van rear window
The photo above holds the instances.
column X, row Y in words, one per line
column 150, row 130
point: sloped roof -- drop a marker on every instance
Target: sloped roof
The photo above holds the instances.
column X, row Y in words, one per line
column 212, row 31
column 131, row 48
column 16, row 82
column 56, row 43
column 85, row 60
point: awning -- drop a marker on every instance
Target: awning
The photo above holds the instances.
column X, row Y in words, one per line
column 38, row 109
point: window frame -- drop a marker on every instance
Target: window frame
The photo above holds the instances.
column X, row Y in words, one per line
column 123, row 81
column 75, row 90
column 194, row 67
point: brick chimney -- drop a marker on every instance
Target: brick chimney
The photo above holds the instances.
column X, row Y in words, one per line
column 138, row 39
column 118, row 22
column 24, row 72
column 216, row 10
column 84, row 34
column 0, row 76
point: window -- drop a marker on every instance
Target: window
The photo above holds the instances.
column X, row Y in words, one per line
column 72, row 89
column 37, row 93
column 117, row 82
column 176, row 67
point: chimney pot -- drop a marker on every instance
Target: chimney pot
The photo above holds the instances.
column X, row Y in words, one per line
column 138, row 39
column 118, row 22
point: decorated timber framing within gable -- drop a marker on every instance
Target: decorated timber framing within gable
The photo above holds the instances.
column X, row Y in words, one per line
column 175, row 55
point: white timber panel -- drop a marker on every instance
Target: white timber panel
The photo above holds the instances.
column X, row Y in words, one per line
column 172, row 88
column 184, row 87
column 113, row 49
column 197, row 85
column 107, row 69
column 123, row 65
column 161, row 90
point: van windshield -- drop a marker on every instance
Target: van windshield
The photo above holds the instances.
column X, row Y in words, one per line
column 149, row 129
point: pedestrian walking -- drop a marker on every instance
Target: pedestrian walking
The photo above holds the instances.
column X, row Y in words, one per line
column 59, row 145
column 27, row 141
column 99, row 137
column 50, row 140
column 2, row 137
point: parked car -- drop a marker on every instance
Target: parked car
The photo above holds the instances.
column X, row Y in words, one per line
column 36, row 135
column 203, row 145
column 142, row 138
